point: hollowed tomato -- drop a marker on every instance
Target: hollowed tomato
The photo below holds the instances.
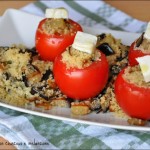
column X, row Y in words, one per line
column 81, row 83
column 133, row 54
column 134, row 100
column 51, row 45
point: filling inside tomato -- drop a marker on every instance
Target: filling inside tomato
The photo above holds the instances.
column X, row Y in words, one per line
column 77, row 59
column 134, row 75
column 57, row 26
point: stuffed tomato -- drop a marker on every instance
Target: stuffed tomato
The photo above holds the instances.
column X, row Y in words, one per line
column 55, row 33
column 135, row 52
column 79, row 74
column 133, row 93
column 140, row 47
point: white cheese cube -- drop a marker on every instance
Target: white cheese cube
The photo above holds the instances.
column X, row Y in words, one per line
column 144, row 63
column 147, row 32
column 56, row 13
column 85, row 42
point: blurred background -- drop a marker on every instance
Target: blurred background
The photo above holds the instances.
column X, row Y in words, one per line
column 137, row 9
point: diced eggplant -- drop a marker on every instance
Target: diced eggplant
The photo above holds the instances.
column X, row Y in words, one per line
column 33, row 51
column 70, row 100
column 106, row 109
column 115, row 69
column 106, row 49
column 101, row 36
column 4, row 48
column 46, row 75
column 122, row 56
column 98, row 110
column 24, row 79
column 139, row 40
column 7, row 76
column 35, row 91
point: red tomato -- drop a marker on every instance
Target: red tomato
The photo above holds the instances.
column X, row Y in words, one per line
column 49, row 46
column 134, row 100
column 81, row 83
column 133, row 54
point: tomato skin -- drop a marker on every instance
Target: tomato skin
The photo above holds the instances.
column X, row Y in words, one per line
column 49, row 46
column 133, row 54
column 84, row 83
column 134, row 100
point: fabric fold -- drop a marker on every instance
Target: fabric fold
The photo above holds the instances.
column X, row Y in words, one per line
column 21, row 133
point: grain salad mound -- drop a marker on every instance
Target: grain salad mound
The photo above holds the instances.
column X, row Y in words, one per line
column 25, row 79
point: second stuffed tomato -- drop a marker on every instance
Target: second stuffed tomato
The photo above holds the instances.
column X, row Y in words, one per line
column 81, row 83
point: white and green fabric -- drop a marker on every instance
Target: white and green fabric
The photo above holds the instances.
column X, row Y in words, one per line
column 27, row 131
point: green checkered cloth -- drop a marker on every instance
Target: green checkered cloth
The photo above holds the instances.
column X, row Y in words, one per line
column 26, row 131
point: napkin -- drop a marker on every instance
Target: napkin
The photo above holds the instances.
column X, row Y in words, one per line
column 91, row 13
column 26, row 131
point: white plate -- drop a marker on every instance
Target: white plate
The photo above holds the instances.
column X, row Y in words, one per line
column 19, row 27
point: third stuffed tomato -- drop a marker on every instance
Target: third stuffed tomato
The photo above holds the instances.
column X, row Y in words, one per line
column 139, row 48
column 85, row 78
column 133, row 93
column 134, row 53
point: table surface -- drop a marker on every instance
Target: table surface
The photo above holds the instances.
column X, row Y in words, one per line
column 132, row 8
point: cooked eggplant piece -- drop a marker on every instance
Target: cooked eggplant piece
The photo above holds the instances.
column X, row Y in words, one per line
column 106, row 49
column 24, row 79
column 7, row 76
column 98, row 110
column 4, row 48
column 46, row 75
column 125, row 55
column 115, row 69
column 35, row 91
column 33, row 51
column 105, row 110
column 140, row 40
column 101, row 36
column 70, row 100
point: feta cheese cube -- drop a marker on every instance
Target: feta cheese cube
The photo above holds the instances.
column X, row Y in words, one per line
column 85, row 42
column 144, row 63
column 56, row 13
